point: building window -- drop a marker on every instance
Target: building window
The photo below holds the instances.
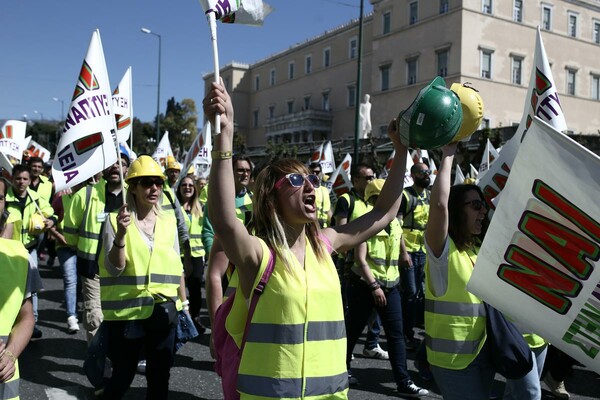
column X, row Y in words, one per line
column 486, row 64
column 307, row 102
column 308, row 64
column 546, row 17
column 486, row 6
column 572, row 27
column 257, row 82
column 413, row 12
column 596, row 31
column 351, row 100
column 327, row 57
column 353, row 48
column 517, row 68
column 255, row 119
column 290, row 106
column 386, row 22
column 272, row 77
column 384, row 73
column 411, row 71
column 596, row 87
column 443, row 6
column 291, row 69
column 271, row 110
column 442, row 63
column 518, row 11
column 571, row 75
column 325, row 101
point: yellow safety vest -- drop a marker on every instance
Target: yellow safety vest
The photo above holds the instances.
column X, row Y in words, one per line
column 240, row 212
column 323, row 203
column 383, row 251
column 33, row 198
column 414, row 222
column 147, row 276
column 534, row 341
column 194, row 225
column 296, row 346
column 13, row 279
column 44, row 188
column 454, row 322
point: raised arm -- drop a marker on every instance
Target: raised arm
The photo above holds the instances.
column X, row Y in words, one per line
column 347, row 236
column 240, row 247
column 437, row 225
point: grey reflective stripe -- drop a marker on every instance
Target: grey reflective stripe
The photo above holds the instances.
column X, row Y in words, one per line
column 123, row 280
column 4, row 339
column 388, row 284
column 9, row 390
column 86, row 256
column 89, row 235
column 291, row 387
column 452, row 346
column 195, row 236
column 384, row 262
column 294, row 334
column 160, row 278
column 196, row 248
column 128, row 303
column 326, row 330
column 457, row 309
column 229, row 291
column 68, row 229
column 168, row 206
column 88, row 196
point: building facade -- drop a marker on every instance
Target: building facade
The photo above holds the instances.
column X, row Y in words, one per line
column 308, row 93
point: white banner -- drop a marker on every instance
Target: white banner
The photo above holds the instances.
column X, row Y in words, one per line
column 539, row 262
column 123, row 107
column 13, row 129
column 327, row 160
column 88, row 142
column 541, row 101
column 163, row 150
column 37, row 150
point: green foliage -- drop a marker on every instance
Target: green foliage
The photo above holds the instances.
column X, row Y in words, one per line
column 46, row 133
column 276, row 151
column 181, row 120
column 144, row 137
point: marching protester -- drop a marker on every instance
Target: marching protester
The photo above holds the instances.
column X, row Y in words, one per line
column 456, row 350
column 373, row 285
column 16, row 311
column 324, row 211
column 140, row 273
column 304, row 276
column 172, row 170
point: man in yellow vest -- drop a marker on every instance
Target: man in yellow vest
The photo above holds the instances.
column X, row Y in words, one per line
column 45, row 188
column 172, row 170
column 323, row 202
column 16, row 311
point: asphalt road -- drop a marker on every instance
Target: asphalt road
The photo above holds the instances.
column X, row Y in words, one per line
column 51, row 367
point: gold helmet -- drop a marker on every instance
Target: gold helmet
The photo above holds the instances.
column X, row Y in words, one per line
column 172, row 163
column 144, row 166
column 472, row 107
column 373, row 188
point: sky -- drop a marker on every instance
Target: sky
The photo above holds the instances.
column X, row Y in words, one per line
column 43, row 44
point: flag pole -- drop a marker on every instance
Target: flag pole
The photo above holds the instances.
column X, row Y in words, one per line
column 212, row 22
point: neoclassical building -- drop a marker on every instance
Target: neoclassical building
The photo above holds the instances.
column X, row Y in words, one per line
column 307, row 93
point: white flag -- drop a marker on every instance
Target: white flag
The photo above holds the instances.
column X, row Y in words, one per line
column 163, row 150
column 459, row 177
column 247, row 12
column 123, row 107
column 388, row 165
column 327, row 161
column 345, row 165
column 88, row 142
column 37, row 150
column 13, row 129
column 539, row 262
column 316, row 155
column 474, row 173
column 541, row 101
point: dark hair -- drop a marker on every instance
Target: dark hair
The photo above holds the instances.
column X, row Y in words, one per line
column 356, row 169
column 32, row 160
column 241, row 157
column 414, row 169
column 314, row 165
column 17, row 169
column 457, row 227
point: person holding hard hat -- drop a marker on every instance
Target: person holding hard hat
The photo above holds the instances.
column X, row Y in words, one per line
column 140, row 276
column 37, row 216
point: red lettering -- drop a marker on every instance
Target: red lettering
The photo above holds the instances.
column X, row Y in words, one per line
column 538, row 279
column 565, row 245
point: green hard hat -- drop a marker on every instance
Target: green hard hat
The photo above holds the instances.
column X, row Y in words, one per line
column 433, row 118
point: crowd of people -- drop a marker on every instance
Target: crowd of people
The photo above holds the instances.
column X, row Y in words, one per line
column 140, row 243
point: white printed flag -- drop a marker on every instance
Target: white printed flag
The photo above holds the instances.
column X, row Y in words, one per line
column 163, row 150
column 123, row 107
column 540, row 260
column 37, row 150
column 327, row 160
column 316, row 155
column 13, row 129
column 459, row 177
column 87, row 144
column 489, row 155
column 247, row 12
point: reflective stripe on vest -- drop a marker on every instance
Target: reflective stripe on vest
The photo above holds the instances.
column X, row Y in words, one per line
column 292, row 388
column 413, row 224
column 383, row 250
column 148, row 274
column 455, row 321
column 291, row 330
column 14, row 262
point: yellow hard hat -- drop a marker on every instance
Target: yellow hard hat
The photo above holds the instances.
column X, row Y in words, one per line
column 373, row 188
column 191, row 170
column 470, row 181
column 144, row 166
column 36, row 224
column 472, row 106
column 172, row 163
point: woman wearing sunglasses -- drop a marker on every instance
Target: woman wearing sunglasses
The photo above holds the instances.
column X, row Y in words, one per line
column 140, row 274
column 192, row 209
column 454, row 321
column 296, row 342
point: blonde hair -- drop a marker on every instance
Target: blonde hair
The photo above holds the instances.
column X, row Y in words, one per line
column 131, row 201
column 266, row 222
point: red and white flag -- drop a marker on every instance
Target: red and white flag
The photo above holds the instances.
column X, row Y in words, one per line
column 490, row 154
column 388, row 165
column 541, row 101
column 13, row 129
column 339, row 182
column 198, row 155
column 316, row 155
column 88, row 141
column 327, row 160
column 163, row 150
column 123, row 107
column 37, row 150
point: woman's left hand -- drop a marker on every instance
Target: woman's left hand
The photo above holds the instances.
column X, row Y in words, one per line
column 123, row 220
column 7, row 365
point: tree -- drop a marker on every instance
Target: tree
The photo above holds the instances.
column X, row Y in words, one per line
column 181, row 121
column 46, row 133
column 144, row 137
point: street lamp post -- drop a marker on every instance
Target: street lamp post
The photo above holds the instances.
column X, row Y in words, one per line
column 358, row 84
column 148, row 31
column 62, row 108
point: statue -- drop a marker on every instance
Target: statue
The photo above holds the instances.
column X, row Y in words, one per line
column 364, row 113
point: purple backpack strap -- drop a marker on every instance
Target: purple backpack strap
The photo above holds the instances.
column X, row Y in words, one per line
column 257, row 292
